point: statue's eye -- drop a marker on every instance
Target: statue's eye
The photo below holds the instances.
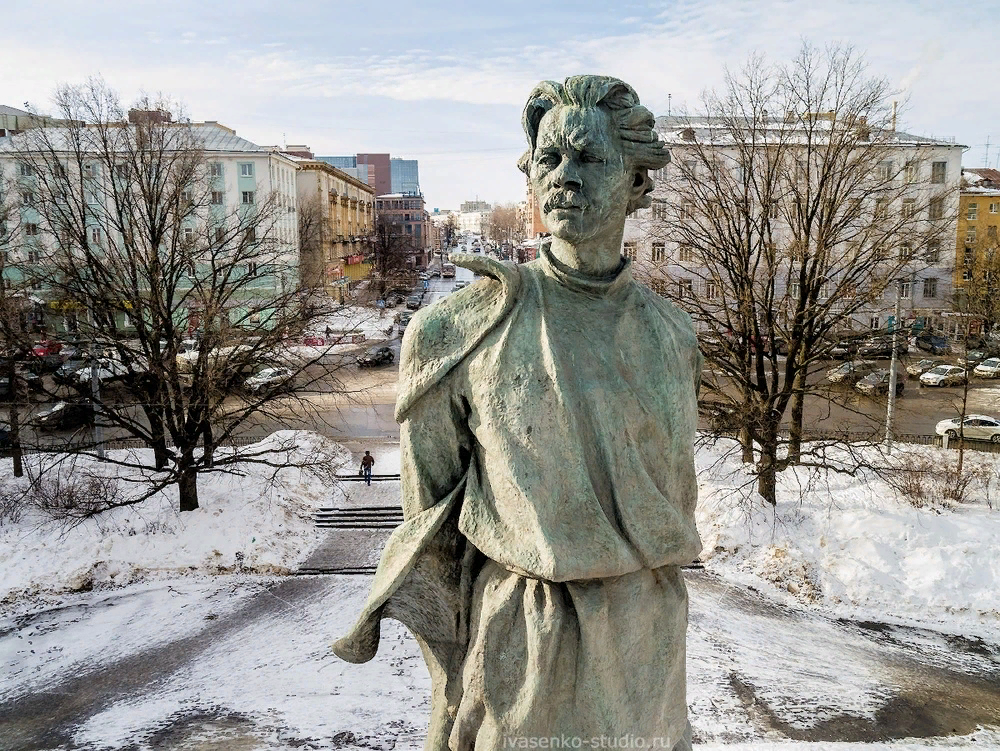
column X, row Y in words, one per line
column 591, row 158
column 549, row 159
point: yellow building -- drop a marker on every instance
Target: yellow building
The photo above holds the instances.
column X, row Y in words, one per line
column 978, row 218
column 344, row 209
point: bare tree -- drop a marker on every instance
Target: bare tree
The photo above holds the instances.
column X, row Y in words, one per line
column 132, row 233
column 789, row 213
column 314, row 231
column 392, row 253
column 505, row 224
column 449, row 230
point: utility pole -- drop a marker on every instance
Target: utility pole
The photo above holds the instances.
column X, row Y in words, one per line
column 890, row 411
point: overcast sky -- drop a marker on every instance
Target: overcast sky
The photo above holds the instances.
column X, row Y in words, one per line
column 443, row 81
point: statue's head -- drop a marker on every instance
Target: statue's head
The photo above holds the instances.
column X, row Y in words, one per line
column 591, row 146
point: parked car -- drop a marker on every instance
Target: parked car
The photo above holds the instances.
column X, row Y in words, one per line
column 878, row 382
column 66, row 373
column 108, row 371
column 6, row 443
column 933, row 343
column 943, row 375
column 413, row 302
column 65, row 416
column 920, row 367
column 404, row 318
column 973, row 357
column 374, row 357
column 974, row 427
column 851, row 372
column 881, row 346
column 845, row 349
column 460, row 285
column 269, row 380
column 25, row 381
column 988, row 368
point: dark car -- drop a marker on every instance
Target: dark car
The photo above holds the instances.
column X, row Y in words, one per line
column 65, row 416
column 404, row 318
column 6, row 443
column 25, row 380
column 67, row 372
column 374, row 357
column 845, row 348
column 878, row 383
column 933, row 343
column 413, row 302
column 881, row 346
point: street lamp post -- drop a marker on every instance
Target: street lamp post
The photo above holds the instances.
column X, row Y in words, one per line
column 890, row 411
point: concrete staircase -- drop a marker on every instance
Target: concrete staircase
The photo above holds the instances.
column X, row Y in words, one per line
column 362, row 517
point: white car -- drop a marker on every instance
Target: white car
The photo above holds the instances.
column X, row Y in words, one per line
column 975, row 427
column 943, row 375
column 270, row 380
column 988, row 368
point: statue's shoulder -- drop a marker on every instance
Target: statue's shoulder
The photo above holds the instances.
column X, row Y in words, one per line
column 673, row 315
column 440, row 336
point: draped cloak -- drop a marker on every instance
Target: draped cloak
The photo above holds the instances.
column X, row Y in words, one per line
column 547, row 428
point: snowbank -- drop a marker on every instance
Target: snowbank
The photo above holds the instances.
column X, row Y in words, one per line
column 244, row 523
column 854, row 546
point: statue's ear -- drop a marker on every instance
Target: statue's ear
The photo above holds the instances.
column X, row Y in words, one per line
column 640, row 187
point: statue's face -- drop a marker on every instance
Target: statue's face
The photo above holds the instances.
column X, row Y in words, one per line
column 578, row 174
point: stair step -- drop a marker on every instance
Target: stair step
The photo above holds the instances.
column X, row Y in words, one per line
column 352, row 525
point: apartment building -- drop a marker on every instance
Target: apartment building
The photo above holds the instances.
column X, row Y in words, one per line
column 242, row 176
column 344, row 237
column 407, row 212
column 923, row 175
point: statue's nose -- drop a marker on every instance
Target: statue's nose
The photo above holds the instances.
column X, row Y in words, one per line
column 567, row 176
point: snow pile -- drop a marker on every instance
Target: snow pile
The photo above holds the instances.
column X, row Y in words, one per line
column 853, row 545
column 253, row 519
column 373, row 323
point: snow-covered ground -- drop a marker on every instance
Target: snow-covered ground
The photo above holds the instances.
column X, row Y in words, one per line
column 247, row 521
column 787, row 637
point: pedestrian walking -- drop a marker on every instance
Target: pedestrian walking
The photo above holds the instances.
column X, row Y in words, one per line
column 366, row 466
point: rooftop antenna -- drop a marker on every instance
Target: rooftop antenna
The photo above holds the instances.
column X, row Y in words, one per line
column 284, row 142
column 986, row 157
column 668, row 104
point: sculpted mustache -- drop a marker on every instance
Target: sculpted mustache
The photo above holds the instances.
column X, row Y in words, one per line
column 560, row 201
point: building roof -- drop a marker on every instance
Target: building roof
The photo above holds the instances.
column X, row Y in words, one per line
column 212, row 136
column 402, row 195
column 671, row 129
column 6, row 109
column 981, row 180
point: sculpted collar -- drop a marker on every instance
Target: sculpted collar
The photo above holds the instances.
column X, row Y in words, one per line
column 599, row 286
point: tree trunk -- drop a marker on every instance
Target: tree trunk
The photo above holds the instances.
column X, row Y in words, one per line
column 766, row 469
column 746, row 444
column 798, row 407
column 187, row 484
column 209, row 439
column 15, row 436
column 159, row 439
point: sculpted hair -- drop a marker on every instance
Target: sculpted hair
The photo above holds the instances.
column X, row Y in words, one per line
column 642, row 147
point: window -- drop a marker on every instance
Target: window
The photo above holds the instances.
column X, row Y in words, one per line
column 906, row 251
column 687, row 210
column 31, row 229
column 794, row 288
column 968, row 257
column 994, row 208
column 660, row 287
column 188, row 234
column 686, row 254
column 34, row 256
column 89, row 170
column 884, row 170
column 935, row 209
column 775, row 210
column 911, row 172
column 939, row 171
column 711, row 290
column 881, row 208
column 629, row 250
column 690, row 167
column 933, row 252
column 909, row 208
column 905, row 289
column 220, row 234
column 246, row 169
column 685, row 288
column 218, row 197
column 874, row 323
column 187, row 196
column 28, row 198
column 247, row 197
column 973, row 211
column 659, row 252
column 215, row 169
column 251, row 235
column 970, row 236
column 26, row 170
column 121, row 170
column 660, row 210
column 252, row 268
column 95, row 235
column 930, row 287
